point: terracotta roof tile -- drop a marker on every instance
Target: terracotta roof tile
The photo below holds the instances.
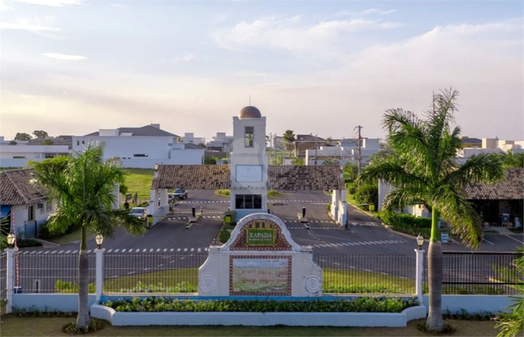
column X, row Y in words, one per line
column 212, row 177
column 16, row 188
column 511, row 188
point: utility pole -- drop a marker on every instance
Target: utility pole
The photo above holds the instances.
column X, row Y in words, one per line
column 315, row 150
column 359, row 127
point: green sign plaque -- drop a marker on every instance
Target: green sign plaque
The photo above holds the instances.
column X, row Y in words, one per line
column 260, row 236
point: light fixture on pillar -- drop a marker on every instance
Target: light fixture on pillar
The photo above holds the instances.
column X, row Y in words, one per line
column 156, row 167
column 420, row 241
column 10, row 239
column 99, row 239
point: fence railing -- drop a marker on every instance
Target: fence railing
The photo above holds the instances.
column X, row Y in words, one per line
column 172, row 272
column 479, row 273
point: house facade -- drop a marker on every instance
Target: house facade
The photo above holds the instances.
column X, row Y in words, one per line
column 24, row 206
column 19, row 153
column 142, row 147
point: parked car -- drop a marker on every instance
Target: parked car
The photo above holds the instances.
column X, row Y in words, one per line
column 180, row 193
column 139, row 212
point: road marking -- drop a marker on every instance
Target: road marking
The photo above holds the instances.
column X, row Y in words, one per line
column 123, row 250
column 151, row 250
column 509, row 237
column 67, row 252
column 192, row 249
column 39, row 252
column 89, row 251
column 199, row 250
column 131, row 272
column 172, row 261
column 367, row 270
column 185, row 249
column 160, row 265
column 54, row 251
column 60, row 252
column 34, row 251
column 116, row 250
column 491, row 243
column 172, row 249
column 178, row 250
column 47, row 252
column 145, row 250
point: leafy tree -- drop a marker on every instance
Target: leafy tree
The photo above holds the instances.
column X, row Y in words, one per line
column 289, row 139
column 22, row 136
column 298, row 161
column 47, row 142
column 512, row 160
column 330, row 161
column 367, row 193
column 351, row 171
column 423, row 168
column 40, row 134
column 83, row 187
column 512, row 323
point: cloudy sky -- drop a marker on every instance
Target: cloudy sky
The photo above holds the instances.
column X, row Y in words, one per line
column 74, row 66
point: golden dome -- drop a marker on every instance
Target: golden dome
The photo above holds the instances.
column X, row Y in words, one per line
column 249, row 112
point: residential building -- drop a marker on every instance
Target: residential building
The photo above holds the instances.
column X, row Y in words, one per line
column 221, row 142
column 24, row 206
column 345, row 151
column 491, row 145
column 142, row 147
column 18, row 153
column 306, row 142
column 189, row 138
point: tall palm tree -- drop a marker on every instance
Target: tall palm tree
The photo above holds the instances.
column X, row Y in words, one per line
column 422, row 166
column 289, row 139
column 83, row 187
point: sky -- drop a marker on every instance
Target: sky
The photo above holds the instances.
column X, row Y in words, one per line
column 71, row 67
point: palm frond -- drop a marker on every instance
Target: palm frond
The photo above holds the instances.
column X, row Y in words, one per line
column 402, row 197
column 485, row 167
column 393, row 172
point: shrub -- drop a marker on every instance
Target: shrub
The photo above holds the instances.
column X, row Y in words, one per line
column 70, row 287
column 328, row 207
column 224, row 235
column 21, row 243
column 361, row 304
column 367, row 194
column 226, row 193
column 406, row 223
column 272, row 193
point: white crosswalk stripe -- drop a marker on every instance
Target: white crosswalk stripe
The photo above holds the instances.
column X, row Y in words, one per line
column 361, row 243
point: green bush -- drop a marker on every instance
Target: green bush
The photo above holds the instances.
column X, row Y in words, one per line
column 272, row 193
column 21, row 243
column 224, row 235
column 70, row 287
column 226, row 193
column 328, row 207
column 367, row 194
column 360, row 304
column 406, row 223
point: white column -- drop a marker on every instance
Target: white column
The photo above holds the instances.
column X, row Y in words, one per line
column 99, row 273
column 163, row 198
column 419, row 273
column 10, row 282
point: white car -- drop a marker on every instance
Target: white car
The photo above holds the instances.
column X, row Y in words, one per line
column 138, row 212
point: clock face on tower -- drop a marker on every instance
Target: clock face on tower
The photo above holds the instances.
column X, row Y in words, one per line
column 248, row 173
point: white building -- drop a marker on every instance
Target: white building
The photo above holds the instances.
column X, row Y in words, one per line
column 492, row 145
column 142, row 147
column 344, row 152
column 189, row 138
column 220, row 142
column 18, row 153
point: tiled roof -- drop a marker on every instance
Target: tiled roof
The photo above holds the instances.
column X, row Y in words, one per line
column 308, row 138
column 511, row 188
column 212, row 177
column 16, row 188
column 147, row 130
column 309, row 178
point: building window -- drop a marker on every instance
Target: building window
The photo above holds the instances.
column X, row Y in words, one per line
column 83, row 142
column 248, row 201
column 18, row 157
column 30, row 213
column 77, row 143
column 248, row 136
column 140, row 155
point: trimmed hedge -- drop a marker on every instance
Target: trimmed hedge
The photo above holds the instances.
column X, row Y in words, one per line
column 406, row 223
column 163, row 304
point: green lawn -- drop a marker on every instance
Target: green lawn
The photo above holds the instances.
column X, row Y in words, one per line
column 139, row 180
column 44, row 326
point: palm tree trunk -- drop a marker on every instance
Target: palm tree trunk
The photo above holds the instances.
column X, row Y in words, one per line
column 434, row 321
column 82, row 320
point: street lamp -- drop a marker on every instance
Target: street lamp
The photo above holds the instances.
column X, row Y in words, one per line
column 420, row 241
column 99, row 239
column 10, row 239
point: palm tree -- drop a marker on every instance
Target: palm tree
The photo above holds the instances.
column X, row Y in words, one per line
column 83, row 187
column 289, row 139
column 423, row 168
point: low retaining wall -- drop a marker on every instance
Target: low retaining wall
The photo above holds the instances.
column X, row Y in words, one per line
column 49, row 302
column 362, row 319
column 473, row 303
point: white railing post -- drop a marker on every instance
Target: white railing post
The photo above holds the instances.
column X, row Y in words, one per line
column 420, row 273
column 10, row 282
column 99, row 273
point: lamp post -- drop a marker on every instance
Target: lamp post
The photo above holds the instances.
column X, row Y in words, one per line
column 99, row 276
column 420, row 267
column 10, row 239
column 99, row 239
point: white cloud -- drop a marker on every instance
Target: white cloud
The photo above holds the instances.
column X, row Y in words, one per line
column 55, row 3
column 369, row 11
column 187, row 57
column 65, row 57
column 25, row 26
column 290, row 34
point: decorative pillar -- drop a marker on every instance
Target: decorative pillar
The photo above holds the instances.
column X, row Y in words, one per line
column 99, row 278
column 419, row 273
column 10, row 282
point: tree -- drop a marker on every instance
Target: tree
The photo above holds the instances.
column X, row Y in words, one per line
column 47, row 142
column 423, row 168
column 330, row 161
column 83, row 188
column 512, row 160
column 511, row 323
column 351, row 171
column 40, row 134
column 22, row 136
column 289, row 139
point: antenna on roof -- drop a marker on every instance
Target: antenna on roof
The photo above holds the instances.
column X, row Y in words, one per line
column 249, row 100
